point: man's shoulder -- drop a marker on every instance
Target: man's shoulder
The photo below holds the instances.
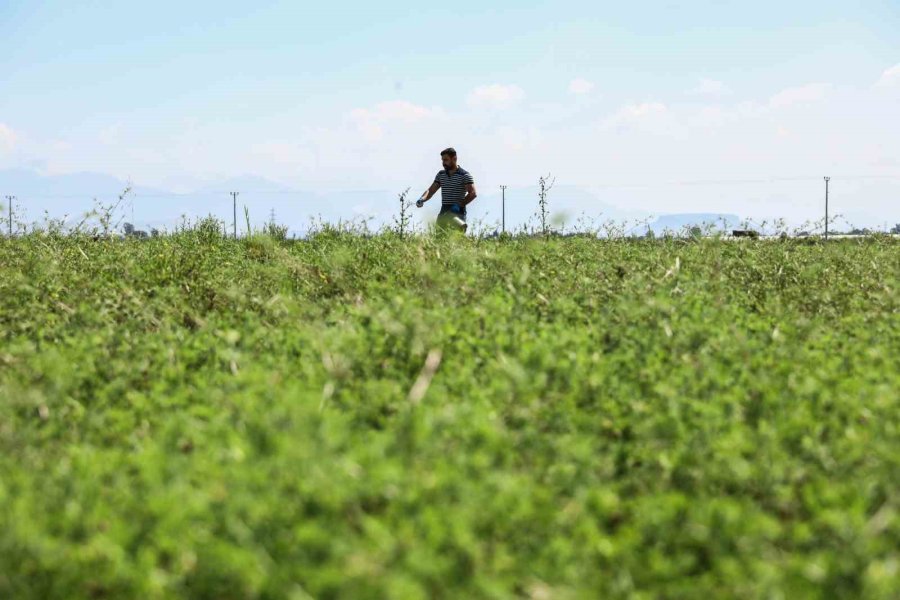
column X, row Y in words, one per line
column 460, row 172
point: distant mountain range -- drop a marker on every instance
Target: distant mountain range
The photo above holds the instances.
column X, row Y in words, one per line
column 74, row 195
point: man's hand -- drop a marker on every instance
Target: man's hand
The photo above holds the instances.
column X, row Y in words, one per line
column 420, row 202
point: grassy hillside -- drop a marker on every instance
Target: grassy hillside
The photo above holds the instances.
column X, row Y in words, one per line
column 384, row 418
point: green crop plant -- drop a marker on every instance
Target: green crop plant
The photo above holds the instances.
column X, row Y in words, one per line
column 377, row 416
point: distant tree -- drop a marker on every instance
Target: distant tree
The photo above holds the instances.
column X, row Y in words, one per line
column 896, row 229
column 130, row 231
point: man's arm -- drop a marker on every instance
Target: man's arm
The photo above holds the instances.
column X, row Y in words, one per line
column 471, row 194
column 431, row 191
column 427, row 194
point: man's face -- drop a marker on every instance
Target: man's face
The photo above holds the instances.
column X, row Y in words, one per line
column 448, row 161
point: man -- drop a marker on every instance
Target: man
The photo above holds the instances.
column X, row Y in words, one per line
column 457, row 191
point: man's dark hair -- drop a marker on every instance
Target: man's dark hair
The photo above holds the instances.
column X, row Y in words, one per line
column 449, row 152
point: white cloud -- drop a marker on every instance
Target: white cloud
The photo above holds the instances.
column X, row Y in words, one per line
column 8, row 139
column 891, row 77
column 580, row 87
column 710, row 87
column 634, row 114
column 803, row 94
column 497, row 96
column 373, row 122
column 369, row 130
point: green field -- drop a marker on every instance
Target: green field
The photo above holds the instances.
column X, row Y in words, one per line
column 377, row 417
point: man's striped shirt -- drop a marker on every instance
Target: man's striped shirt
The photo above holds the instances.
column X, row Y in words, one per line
column 453, row 187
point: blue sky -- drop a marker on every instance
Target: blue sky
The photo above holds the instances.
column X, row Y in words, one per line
column 634, row 100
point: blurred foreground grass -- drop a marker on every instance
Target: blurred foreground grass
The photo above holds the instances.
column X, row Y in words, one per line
column 350, row 417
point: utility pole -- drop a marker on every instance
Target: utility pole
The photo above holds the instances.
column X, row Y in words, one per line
column 10, row 200
column 234, row 196
column 503, row 209
column 827, row 179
